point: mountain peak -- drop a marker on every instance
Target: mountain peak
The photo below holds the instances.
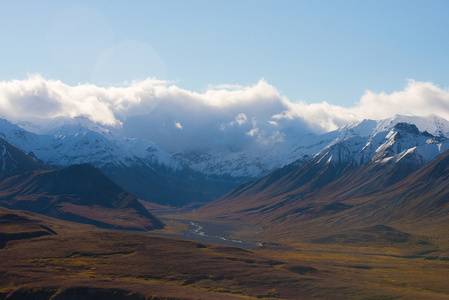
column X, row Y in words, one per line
column 407, row 127
column 433, row 124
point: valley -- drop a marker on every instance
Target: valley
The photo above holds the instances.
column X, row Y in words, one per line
column 218, row 233
column 377, row 262
column 365, row 217
column 79, row 260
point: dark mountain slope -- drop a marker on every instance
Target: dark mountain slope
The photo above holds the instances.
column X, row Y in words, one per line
column 322, row 196
column 78, row 193
column 167, row 188
column 418, row 204
column 422, row 195
column 13, row 161
column 359, row 165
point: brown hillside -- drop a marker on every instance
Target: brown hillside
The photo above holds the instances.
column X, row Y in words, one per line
column 311, row 202
column 78, row 193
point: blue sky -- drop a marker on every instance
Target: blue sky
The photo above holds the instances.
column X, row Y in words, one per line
column 313, row 51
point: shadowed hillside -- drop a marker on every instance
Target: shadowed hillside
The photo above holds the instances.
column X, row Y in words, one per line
column 78, row 193
column 13, row 161
column 313, row 201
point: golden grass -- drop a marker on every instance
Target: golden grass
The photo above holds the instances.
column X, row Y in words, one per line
column 172, row 227
column 408, row 270
column 86, row 260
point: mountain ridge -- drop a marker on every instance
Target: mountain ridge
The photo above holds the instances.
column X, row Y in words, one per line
column 340, row 188
column 184, row 178
column 137, row 165
column 249, row 164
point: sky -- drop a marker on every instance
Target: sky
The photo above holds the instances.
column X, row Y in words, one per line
column 223, row 70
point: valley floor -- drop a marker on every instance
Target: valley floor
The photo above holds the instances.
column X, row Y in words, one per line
column 352, row 268
column 43, row 258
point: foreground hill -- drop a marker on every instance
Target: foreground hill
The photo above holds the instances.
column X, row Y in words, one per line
column 78, row 193
column 16, row 226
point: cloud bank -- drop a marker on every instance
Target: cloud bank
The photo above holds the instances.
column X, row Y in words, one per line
column 229, row 116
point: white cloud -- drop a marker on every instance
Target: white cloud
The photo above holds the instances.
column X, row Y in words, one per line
column 418, row 98
column 36, row 97
column 178, row 125
column 218, row 117
column 240, row 119
column 254, row 130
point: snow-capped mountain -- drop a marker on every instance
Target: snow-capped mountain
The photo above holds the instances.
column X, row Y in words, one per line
column 247, row 164
column 402, row 141
column 364, row 160
column 152, row 174
column 432, row 124
column 137, row 165
column 372, row 180
column 79, row 140
column 72, row 144
column 255, row 162
column 387, row 139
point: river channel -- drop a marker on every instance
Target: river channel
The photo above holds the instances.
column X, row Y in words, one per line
column 212, row 233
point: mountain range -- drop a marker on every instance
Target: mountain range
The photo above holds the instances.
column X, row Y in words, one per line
column 188, row 177
column 393, row 179
column 137, row 165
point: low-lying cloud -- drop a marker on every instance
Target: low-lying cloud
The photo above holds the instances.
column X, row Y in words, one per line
column 229, row 116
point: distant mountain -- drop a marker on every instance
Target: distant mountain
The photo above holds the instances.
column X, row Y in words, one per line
column 79, row 193
column 75, row 143
column 296, row 146
column 255, row 162
column 137, row 165
column 187, row 177
column 403, row 145
column 352, row 182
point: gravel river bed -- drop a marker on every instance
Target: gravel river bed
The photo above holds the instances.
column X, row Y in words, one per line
column 212, row 233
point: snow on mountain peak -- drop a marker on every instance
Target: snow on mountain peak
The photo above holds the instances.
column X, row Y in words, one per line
column 433, row 124
column 74, row 143
column 388, row 140
column 63, row 141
